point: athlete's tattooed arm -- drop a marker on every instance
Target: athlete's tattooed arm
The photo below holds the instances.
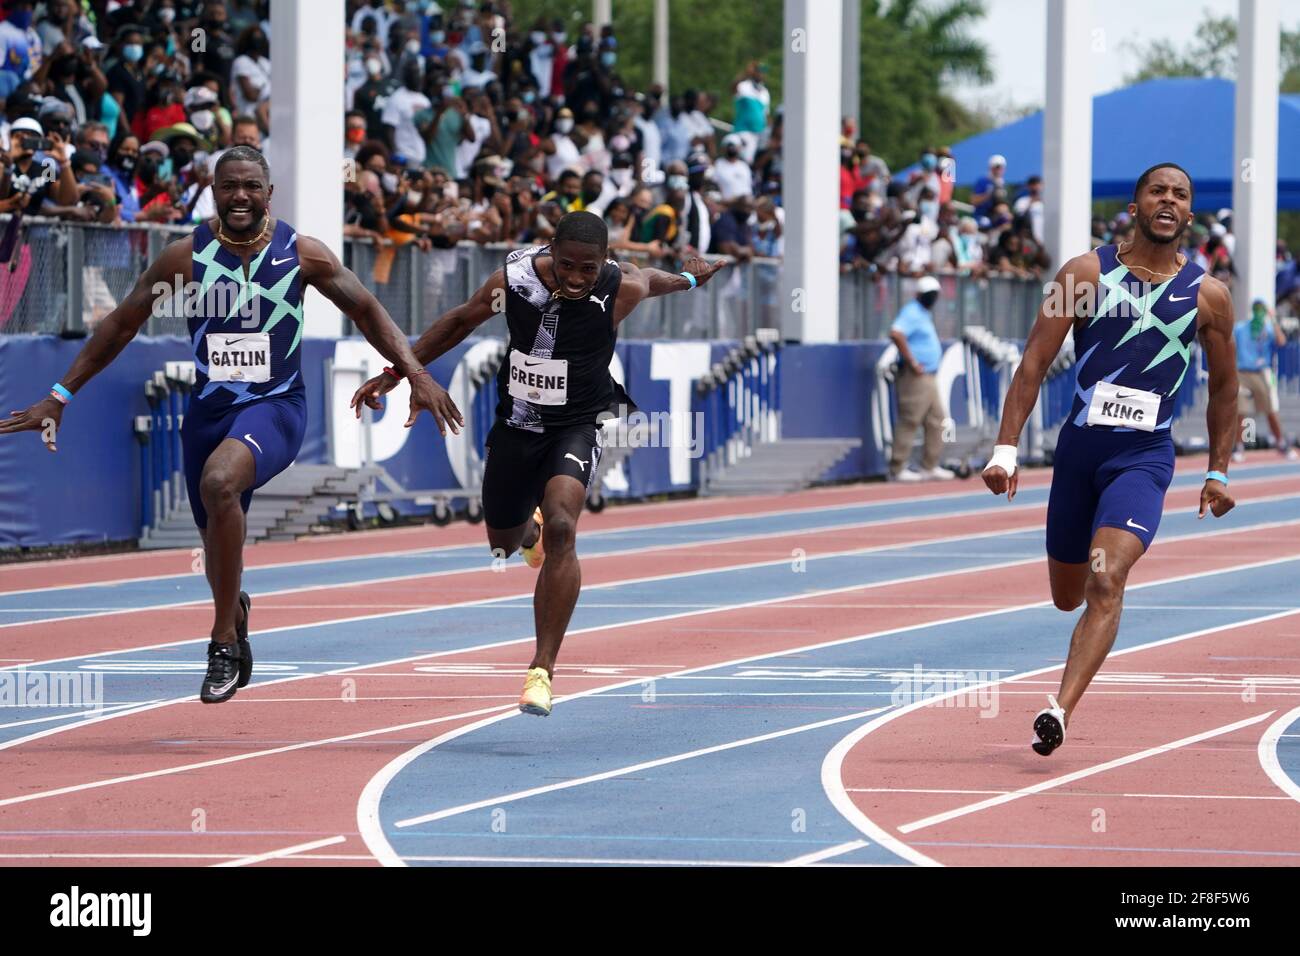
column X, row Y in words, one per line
column 450, row 329
column 1066, row 296
column 1214, row 329
column 322, row 269
column 170, row 271
column 639, row 284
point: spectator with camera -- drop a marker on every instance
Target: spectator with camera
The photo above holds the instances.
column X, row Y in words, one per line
column 37, row 180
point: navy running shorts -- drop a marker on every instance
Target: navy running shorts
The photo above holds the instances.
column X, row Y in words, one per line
column 271, row 428
column 520, row 463
column 1106, row 479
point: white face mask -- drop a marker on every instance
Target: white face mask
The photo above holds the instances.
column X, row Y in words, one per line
column 390, row 182
column 563, row 125
column 414, row 198
column 167, row 15
column 374, row 67
column 203, row 120
column 412, row 46
column 537, row 37
column 451, row 191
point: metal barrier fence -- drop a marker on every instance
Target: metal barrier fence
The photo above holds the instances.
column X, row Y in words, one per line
column 67, row 276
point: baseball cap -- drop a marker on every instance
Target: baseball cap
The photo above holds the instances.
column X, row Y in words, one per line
column 199, row 96
column 927, row 284
column 997, row 159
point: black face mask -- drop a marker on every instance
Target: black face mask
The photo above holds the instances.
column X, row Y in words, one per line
column 126, row 163
column 928, row 299
column 181, row 158
column 859, row 215
column 148, row 171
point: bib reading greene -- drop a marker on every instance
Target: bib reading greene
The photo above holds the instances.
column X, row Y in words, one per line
column 557, row 371
column 245, row 333
column 1139, row 341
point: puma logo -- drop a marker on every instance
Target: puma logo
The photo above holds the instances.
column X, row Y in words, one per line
column 580, row 462
column 600, row 301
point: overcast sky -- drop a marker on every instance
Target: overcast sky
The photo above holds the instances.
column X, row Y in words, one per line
column 1015, row 32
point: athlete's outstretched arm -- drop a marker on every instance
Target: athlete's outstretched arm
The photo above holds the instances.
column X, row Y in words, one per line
column 639, row 284
column 320, row 268
column 450, row 329
column 111, row 336
column 1072, row 288
column 1214, row 328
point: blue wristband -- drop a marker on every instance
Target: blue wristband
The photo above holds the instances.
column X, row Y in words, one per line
column 56, row 387
column 1217, row 476
column 690, row 278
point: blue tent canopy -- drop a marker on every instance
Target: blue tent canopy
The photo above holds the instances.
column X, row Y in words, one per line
column 1185, row 121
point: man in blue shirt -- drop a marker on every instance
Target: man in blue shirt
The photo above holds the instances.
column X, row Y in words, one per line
column 919, row 403
column 1256, row 337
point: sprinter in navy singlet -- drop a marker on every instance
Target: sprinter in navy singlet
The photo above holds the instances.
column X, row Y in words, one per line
column 1136, row 311
column 239, row 280
column 563, row 303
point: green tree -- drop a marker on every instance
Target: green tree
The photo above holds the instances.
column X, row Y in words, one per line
column 1212, row 52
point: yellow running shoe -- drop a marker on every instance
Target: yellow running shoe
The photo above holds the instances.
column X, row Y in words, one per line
column 535, row 555
column 536, row 698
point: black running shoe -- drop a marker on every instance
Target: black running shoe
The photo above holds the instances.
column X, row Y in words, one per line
column 222, row 678
column 1049, row 728
column 245, row 650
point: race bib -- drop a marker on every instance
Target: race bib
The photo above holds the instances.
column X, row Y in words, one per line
column 240, row 357
column 539, row 380
column 1128, row 407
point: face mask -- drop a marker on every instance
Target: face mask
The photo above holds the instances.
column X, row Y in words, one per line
column 413, row 199
column 930, row 209
column 563, row 125
column 678, row 183
column 437, row 36
column 390, row 182
column 181, row 158
column 357, row 134
column 148, row 169
column 203, row 120
column 374, row 67
column 559, row 37
column 448, row 92
column 126, row 163
column 608, row 59
column 167, row 15
column 133, row 52
column 537, row 37
column 929, row 160
column 928, row 299
column 529, row 96
column 733, row 152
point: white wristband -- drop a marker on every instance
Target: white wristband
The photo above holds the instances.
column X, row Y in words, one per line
column 1004, row 457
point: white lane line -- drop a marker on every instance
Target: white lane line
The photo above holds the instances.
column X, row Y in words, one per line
column 78, row 713
column 1268, row 754
column 1071, row 793
column 1060, row 781
column 601, row 532
column 826, row 854
column 502, row 601
column 642, row 548
column 605, row 532
column 286, row 851
column 634, row 768
column 832, row 766
column 372, row 832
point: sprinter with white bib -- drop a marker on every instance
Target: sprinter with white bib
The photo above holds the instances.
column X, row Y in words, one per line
column 1134, row 309
column 563, row 303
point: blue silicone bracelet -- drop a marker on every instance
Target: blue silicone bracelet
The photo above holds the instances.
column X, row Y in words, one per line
column 1217, row 476
column 690, row 278
column 56, row 387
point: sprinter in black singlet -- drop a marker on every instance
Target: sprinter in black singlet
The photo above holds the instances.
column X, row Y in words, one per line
column 563, row 304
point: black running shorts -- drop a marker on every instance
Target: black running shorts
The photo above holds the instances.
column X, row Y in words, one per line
column 520, row 463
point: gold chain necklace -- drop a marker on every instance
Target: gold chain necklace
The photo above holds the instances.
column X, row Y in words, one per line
column 1163, row 275
column 266, row 221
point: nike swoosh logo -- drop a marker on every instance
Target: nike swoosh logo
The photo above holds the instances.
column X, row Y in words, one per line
column 255, row 444
column 225, row 687
column 1138, row 526
column 280, row 262
column 230, row 342
column 1179, row 298
column 528, row 364
column 1119, row 395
